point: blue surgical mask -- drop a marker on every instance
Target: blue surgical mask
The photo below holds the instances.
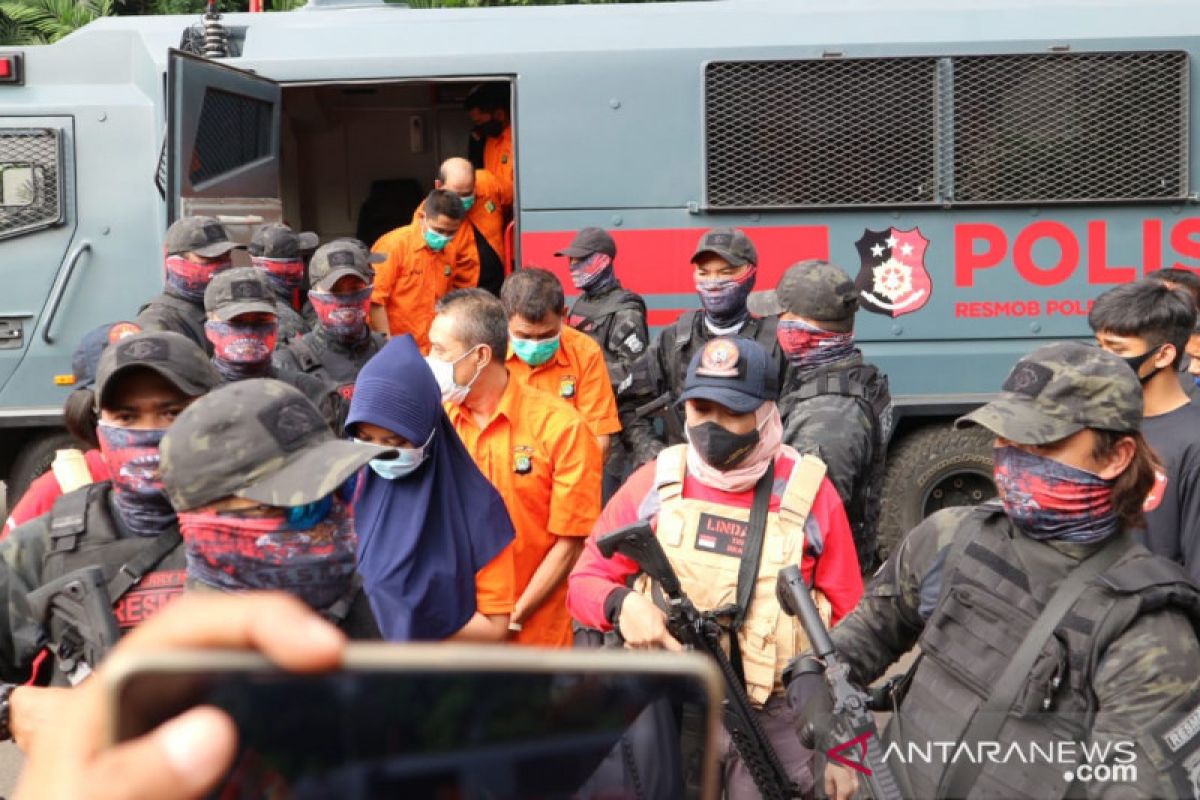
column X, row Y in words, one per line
column 405, row 463
column 467, row 202
column 535, row 352
column 437, row 241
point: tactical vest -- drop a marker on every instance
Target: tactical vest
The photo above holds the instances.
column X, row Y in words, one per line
column 869, row 388
column 704, row 542
column 594, row 316
column 143, row 573
column 985, row 609
column 331, row 365
column 191, row 319
column 690, row 333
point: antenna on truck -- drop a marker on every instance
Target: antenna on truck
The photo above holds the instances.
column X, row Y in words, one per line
column 216, row 38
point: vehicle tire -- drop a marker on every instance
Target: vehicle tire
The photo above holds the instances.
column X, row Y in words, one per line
column 929, row 469
column 33, row 460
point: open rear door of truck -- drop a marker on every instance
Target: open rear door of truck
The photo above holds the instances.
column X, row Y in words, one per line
column 223, row 143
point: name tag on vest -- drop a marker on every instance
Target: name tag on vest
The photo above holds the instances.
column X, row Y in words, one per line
column 722, row 535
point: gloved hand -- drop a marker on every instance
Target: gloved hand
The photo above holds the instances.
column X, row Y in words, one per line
column 809, row 698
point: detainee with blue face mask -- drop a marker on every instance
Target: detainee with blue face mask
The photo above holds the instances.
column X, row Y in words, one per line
column 433, row 534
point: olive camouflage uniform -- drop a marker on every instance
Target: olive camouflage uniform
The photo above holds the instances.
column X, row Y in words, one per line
column 1117, row 674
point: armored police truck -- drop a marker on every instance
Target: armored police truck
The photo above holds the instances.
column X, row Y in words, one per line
column 985, row 168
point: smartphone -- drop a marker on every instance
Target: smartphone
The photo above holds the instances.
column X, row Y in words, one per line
column 444, row 721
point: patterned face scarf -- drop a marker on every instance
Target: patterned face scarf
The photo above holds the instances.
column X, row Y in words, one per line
column 807, row 346
column 286, row 276
column 132, row 458
column 309, row 554
column 724, row 299
column 343, row 316
column 188, row 279
column 1047, row 499
column 242, row 350
column 593, row 274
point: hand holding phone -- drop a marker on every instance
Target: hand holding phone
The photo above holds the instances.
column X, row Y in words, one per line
column 187, row 756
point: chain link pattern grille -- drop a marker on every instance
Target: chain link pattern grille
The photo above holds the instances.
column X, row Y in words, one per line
column 1043, row 128
column 1069, row 127
column 30, row 180
column 234, row 130
column 782, row 134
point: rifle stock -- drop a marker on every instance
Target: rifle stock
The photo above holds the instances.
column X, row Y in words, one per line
column 853, row 718
column 701, row 631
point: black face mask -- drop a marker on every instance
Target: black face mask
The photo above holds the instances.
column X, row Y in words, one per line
column 1135, row 363
column 720, row 447
column 490, row 129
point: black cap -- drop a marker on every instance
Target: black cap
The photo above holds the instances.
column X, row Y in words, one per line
column 731, row 244
column 339, row 258
column 734, row 372
column 276, row 240
column 86, row 358
column 589, row 241
column 241, row 290
column 202, row 235
column 172, row 355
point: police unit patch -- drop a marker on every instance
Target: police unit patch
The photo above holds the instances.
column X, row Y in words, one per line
column 522, row 459
column 491, row 207
column 721, row 535
column 892, row 279
column 719, row 359
column 143, row 350
column 566, row 387
column 634, row 344
column 1028, row 379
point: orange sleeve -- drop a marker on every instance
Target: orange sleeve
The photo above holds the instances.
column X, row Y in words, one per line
column 466, row 259
column 385, row 272
column 494, row 591
column 576, row 474
column 596, row 401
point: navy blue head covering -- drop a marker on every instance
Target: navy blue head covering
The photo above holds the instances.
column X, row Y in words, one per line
column 421, row 538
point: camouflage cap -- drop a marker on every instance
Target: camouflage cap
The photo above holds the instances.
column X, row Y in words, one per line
column 339, row 258
column 260, row 439
column 734, row 372
column 276, row 240
column 241, row 290
column 816, row 290
column 731, row 244
column 1060, row 389
column 202, row 235
column 172, row 355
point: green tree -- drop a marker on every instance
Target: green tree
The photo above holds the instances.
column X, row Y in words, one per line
column 25, row 22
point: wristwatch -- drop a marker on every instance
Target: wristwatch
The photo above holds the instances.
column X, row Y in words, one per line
column 6, row 690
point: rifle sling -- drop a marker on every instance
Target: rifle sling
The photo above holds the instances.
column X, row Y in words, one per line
column 136, row 568
column 756, row 531
column 987, row 721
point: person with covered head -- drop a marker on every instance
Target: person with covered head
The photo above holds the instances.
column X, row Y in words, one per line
column 725, row 268
column 700, row 497
column 1038, row 615
column 244, row 330
column 125, row 525
column 197, row 248
column 341, row 343
column 279, row 251
column 263, row 490
column 433, row 535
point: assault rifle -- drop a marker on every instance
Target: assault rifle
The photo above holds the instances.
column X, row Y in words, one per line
column 77, row 615
column 853, row 720
column 703, row 631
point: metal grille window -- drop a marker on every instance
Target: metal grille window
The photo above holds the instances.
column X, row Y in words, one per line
column 1070, row 126
column 234, row 130
column 781, row 134
column 30, row 180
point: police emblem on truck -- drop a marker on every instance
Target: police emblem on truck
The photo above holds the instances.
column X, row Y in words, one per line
column 892, row 279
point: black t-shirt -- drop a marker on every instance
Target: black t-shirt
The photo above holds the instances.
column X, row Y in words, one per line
column 1173, row 510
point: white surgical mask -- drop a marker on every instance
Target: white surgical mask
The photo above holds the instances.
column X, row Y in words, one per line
column 443, row 373
column 405, row 463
